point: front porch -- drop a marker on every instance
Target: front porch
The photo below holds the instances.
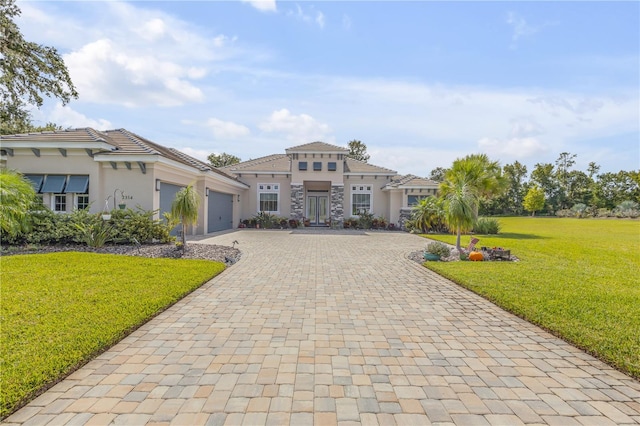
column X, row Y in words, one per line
column 317, row 203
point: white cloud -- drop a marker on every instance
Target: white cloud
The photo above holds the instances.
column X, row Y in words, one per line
column 66, row 117
column 200, row 154
column 263, row 5
column 308, row 16
column 520, row 28
column 513, row 148
column 299, row 128
column 105, row 73
column 227, row 129
column 346, row 22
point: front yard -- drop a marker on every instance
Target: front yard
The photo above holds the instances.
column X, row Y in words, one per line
column 60, row 310
column 577, row 278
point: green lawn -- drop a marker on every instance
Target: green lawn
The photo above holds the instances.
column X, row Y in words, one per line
column 60, row 310
column 577, row 278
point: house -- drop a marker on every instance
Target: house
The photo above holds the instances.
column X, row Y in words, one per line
column 102, row 170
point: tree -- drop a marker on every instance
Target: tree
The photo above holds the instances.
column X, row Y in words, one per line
column 27, row 72
column 428, row 214
column 564, row 162
column 466, row 182
column 534, row 200
column 437, row 174
column 185, row 206
column 543, row 175
column 358, row 151
column 511, row 199
column 16, row 197
column 222, row 160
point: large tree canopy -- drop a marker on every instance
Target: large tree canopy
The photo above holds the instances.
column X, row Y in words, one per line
column 224, row 159
column 28, row 71
column 358, row 151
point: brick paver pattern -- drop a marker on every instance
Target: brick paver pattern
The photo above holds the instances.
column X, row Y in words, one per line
column 337, row 329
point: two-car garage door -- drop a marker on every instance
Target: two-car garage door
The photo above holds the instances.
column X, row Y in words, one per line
column 219, row 206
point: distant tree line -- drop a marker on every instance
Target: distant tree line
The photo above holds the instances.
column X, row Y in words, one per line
column 563, row 187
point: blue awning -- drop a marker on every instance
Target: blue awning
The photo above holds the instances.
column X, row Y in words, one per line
column 36, row 181
column 54, row 184
column 77, row 184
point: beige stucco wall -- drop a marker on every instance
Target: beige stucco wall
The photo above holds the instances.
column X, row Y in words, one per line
column 249, row 199
column 396, row 197
column 380, row 198
column 335, row 177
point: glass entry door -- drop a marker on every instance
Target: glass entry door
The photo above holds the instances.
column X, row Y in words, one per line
column 317, row 209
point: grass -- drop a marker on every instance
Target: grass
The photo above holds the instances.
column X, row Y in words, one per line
column 577, row 278
column 60, row 310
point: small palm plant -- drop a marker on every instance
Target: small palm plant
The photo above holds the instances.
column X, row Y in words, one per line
column 185, row 206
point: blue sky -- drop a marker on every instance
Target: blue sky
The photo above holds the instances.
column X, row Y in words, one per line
column 420, row 83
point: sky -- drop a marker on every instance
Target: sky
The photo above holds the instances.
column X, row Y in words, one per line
column 421, row 83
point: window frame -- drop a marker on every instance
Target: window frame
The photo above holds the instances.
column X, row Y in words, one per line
column 418, row 198
column 55, row 204
column 332, row 166
column 77, row 203
column 361, row 189
column 317, row 166
column 268, row 188
column 302, row 166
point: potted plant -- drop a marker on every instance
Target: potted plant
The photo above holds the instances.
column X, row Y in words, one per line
column 436, row 251
column 122, row 206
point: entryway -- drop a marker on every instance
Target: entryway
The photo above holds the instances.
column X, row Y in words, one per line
column 317, row 209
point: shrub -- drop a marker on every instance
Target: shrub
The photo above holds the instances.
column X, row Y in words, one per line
column 130, row 226
column 438, row 248
column 603, row 212
column 365, row 221
column 564, row 213
column 486, row 225
column 95, row 234
column 627, row 209
column 579, row 210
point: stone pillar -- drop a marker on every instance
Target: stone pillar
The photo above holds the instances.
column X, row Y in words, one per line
column 337, row 205
column 297, row 202
column 405, row 214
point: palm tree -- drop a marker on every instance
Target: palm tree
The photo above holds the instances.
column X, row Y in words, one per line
column 468, row 180
column 185, row 206
column 460, row 205
column 16, row 197
column 428, row 214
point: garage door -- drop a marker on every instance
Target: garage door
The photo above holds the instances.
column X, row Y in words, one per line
column 167, row 195
column 220, row 208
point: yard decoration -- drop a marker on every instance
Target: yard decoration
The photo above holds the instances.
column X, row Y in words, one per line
column 476, row 256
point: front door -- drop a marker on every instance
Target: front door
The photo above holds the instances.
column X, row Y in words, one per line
column 317, row 209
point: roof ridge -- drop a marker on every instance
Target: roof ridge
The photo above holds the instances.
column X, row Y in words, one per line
column 138, row 140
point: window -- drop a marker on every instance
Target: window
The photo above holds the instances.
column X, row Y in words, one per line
column 268, row 195
column 302, row 165
column 82, row 201
column 332, row 166
column 360, row 199
column 59, row 203
column 413, row 200
column 317, row 166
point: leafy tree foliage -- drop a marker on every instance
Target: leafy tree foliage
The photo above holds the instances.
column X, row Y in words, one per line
column 437, row 174
column 534, row 200
column 222, row 160
column 358, row 151
column 185, row 206
column 28, row 71
column 16, row 197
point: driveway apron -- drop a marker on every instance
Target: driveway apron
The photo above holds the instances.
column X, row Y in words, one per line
column 337, row 328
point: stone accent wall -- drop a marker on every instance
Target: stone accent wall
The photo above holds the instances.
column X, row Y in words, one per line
column 297, row 202
column 405, row 214
column 337, row 206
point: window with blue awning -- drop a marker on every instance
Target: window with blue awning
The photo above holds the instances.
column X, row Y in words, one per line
column 77, row 184
column 54, row 184
column 36, row 181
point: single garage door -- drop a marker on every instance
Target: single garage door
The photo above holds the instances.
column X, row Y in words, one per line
column 220, row 208
column 167, row 195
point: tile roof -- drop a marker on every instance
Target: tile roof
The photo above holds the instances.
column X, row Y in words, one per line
column 123, row 142
column 270, row 163
column 317, row 147
column 356, row 166
column 408, row 181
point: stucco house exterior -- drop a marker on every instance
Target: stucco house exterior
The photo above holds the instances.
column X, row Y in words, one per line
column 100, row 170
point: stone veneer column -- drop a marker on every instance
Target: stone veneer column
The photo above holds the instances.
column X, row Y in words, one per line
column 337, row 205
column 405, row 214
column 297, row 202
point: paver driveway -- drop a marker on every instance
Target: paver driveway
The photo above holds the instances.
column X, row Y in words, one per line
column 336, row 328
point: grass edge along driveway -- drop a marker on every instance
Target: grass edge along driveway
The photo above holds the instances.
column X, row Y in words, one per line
column 577, row 278
column 59, row 310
